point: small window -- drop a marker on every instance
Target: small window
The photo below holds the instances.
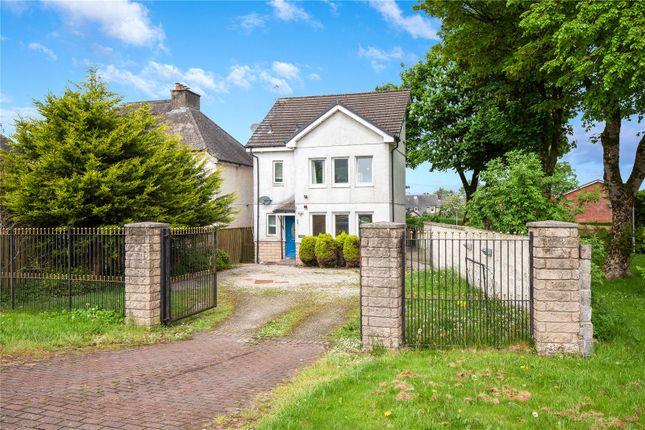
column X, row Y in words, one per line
column 317, row 172
column 271, row 225
column 364, row 219
column 277, row 172
column 318, row 224
column 341, row 223
column 364, row 170
column 341, row 171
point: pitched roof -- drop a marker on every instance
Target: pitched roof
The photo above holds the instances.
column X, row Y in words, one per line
column 199, row 132
column 422, row 202
column 290, row 115
column 595, row 181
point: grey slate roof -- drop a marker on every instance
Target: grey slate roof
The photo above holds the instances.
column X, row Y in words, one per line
column 288, row 116
column 288, row 206
column 200, row 132
column 421, row 202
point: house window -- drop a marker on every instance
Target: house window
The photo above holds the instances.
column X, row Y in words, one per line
column 277, row 172
column 271, row 225
column 341, row 223
column 318, row 224
column 364, row 219
column 341, row 170
column 317, row 172
column 364, row 170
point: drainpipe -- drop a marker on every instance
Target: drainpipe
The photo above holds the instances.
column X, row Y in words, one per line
column 257, row 207
column 396, row 139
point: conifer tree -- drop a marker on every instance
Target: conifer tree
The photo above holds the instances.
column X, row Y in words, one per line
column 91, row 161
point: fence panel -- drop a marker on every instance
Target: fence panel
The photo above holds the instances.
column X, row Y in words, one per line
column 62, row 268
column 238, row 244
column 189, row 276
column 466, row 291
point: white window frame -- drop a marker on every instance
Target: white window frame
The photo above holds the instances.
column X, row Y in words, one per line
column 349, row 222
column 363, row 184
column 312, row 184
column 268, row 225
column 311, row 221
column 333, row 172
column 273, row 172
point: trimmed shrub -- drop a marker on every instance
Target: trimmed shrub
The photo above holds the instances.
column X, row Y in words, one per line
column 222, row 260
column 352, row 251
column 340, row 243
column 326, row 251
column 307, row 251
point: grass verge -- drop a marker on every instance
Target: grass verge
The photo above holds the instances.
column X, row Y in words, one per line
column 483, row 388
column 25, row 335
column 287, row 322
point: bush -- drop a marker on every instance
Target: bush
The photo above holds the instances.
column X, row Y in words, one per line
column 340, row 243
column 307, row 251
column 640, row 240
column 352, row 251
column 222, row 260
column 326, row 251
column 598, row 256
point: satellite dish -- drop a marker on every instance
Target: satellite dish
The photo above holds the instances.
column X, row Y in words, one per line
column 265, row 200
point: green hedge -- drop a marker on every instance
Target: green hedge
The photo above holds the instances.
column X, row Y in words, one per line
column 307, row 251
column 340, row 243
column 222, row 260
column 352, row 251
column 326, row 251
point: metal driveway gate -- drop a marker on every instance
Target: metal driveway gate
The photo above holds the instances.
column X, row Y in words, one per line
column 189, row 276
column 466, row 290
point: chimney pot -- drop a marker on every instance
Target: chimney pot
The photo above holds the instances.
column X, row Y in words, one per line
column 182, row 96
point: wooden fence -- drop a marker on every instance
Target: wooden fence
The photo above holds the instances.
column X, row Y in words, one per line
column 238, row 244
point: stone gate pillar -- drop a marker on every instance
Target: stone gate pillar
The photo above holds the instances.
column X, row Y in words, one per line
column 143, row 272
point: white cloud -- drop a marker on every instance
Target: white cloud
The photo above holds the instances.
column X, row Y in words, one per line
column 112, row 73
column 379, row 58
column 251, row 21
column 241, row 76
column 4, row 98
column 313, row 76
column 42, row 48
column 285, row 70
column 333, row 6
column 9, row 116
column 275, row 84
column 287, row 11
column 416, row 25
column 121, row 19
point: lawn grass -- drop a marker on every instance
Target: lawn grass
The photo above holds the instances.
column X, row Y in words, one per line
column 27, row 335
column 484, row 388
column 285, row 323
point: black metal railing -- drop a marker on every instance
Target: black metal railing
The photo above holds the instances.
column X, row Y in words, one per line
column 189, row 276
column 466, row 290
column 62, row 268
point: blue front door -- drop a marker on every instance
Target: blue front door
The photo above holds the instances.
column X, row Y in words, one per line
column 290, row 236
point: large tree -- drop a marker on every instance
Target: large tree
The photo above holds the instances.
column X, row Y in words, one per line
column 90, row 161
column 597, row 49
column 483, row 37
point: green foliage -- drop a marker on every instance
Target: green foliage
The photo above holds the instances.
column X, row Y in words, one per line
column 453, row 206
column 340, row 243
column 90, row 161
column 352, row 251
column 598, row 256
column 326, row 250
column 514, row 194
column 640, row 240
column 222, row 260
column 307, row 251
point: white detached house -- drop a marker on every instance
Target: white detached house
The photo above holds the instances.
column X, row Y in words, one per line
column 326, row 164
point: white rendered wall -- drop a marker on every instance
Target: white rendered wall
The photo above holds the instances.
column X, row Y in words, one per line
column 238, row 180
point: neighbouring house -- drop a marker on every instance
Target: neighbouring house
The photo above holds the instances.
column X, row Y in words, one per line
column 420, row 204
column 221, row 150
column 326, row 164
column 598, row 211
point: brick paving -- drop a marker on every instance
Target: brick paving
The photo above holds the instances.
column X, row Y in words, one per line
column 180, row 385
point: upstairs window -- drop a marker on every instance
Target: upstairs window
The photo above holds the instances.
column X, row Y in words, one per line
column 277, row 172
column 318, row 172
column 341, row 171
column 364, row 170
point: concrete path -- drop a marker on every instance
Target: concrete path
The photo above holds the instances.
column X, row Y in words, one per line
column 181, row 385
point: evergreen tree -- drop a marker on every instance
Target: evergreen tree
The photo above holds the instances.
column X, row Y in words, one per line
column 90, row 161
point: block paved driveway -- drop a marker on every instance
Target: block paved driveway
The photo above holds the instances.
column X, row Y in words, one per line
column 181, row 385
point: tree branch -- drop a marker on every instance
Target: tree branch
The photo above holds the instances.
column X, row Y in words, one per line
column 638, row 171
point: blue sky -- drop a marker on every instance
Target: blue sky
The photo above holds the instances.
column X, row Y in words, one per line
column 239, row 55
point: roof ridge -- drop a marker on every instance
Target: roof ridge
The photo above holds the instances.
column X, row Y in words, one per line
column 345, row 94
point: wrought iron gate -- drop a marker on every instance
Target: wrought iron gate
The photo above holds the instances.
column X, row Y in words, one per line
column 466, row 290
column 189, row 275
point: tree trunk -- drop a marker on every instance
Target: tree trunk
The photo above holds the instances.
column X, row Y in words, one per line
column 620, row 244
column 469, row 188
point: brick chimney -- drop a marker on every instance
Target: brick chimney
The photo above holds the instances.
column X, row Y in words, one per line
column 182, row 96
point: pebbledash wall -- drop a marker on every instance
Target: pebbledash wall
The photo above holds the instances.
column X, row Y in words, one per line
column 561, row 280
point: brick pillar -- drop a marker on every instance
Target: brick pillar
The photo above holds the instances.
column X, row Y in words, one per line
column 143, row 272
column 586, row 327
column 556, row 287
column 382, row 274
